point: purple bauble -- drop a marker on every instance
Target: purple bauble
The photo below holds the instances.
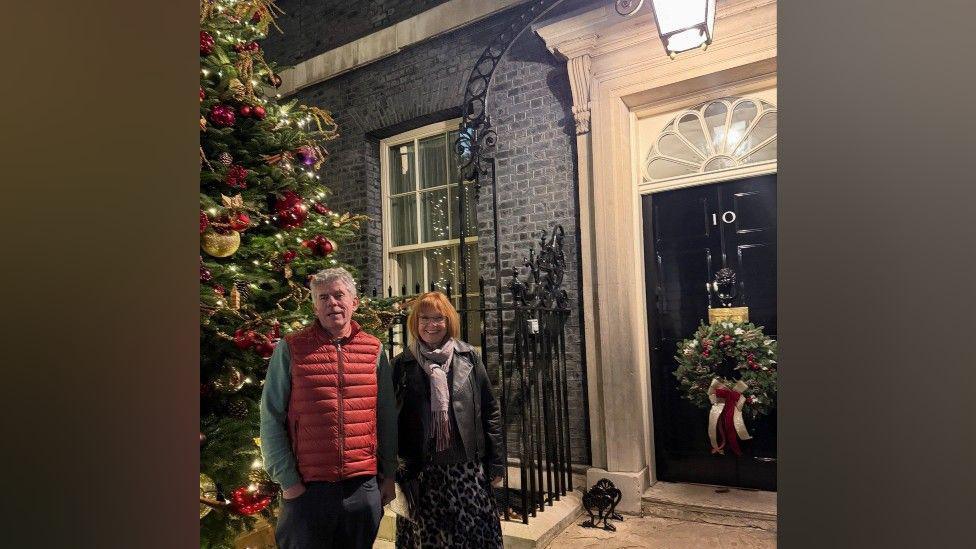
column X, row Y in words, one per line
column 306, row 155
column 222, row 116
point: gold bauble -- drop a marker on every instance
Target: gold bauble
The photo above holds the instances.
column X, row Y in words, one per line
column 207, row 490
column 220, row 245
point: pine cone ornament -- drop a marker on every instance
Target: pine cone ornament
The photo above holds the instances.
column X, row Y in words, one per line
column 226, row 158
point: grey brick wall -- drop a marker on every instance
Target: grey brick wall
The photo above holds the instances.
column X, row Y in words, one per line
column 536, row 173
column 311, row 27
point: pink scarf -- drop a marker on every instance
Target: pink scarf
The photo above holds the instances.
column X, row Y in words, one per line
column 437, row 364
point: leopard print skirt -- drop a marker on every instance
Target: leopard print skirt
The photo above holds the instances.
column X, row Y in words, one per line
column 456, row 511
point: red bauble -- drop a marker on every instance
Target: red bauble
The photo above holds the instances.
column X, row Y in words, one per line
column 275, row 333
column 290, row 212
column 253, row 46
column 222, row 116
column 239, row 222
column 258, row 112
column 202, row 94
column 265, row 348
column 320, row 208
column 256, row 18
column 245, row 502
column 236, row 177
column 218, row 289
column 289, row 255
column 244, row 339
column 244, row 111
column 204, row 221
column 206, row 43
column 320, row 245
column 205, row 274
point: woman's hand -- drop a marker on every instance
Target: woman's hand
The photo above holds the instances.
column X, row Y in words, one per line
column 293, row 491
column 388, row 490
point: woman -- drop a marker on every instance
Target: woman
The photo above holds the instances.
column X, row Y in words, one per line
column 449, row 434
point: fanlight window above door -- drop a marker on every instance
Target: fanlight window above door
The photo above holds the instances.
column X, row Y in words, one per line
column 723, row 133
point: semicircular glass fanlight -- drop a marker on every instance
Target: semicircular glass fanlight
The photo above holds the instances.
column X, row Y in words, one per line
column 716, row 135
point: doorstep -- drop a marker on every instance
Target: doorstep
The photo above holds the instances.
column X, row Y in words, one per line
column 702, row 503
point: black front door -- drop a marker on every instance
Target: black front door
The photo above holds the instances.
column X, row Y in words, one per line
column 689, row 234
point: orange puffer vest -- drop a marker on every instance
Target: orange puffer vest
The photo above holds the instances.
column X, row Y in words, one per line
column 332, row 410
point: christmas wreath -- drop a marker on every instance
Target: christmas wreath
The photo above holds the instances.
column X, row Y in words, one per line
column 729, row 368
column 727, row 353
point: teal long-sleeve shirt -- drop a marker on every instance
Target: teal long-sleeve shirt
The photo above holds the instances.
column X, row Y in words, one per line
column 276, row 448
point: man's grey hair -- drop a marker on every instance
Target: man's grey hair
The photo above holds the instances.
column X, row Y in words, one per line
column 327, row 276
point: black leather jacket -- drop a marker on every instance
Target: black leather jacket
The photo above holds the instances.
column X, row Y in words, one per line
column 476, row 411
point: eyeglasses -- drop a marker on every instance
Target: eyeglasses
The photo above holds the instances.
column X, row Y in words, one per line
column 433, row 320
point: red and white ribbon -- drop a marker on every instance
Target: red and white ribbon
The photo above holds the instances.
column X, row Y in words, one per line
column 725, row 422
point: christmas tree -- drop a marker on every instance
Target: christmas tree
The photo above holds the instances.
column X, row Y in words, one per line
column 264, row 227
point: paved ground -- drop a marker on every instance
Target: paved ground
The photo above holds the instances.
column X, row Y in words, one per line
column 661, row 533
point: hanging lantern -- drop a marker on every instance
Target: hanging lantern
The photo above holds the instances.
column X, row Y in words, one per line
column 683, row 24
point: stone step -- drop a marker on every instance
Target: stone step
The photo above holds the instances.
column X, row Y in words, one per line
column 711, row 504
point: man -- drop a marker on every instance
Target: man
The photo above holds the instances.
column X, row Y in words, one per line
column 328, row 425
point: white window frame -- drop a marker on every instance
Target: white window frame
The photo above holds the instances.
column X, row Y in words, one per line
column 390, row 273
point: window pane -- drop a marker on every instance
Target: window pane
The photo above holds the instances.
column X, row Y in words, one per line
column 440, row 269
column 715, row 116
column 404, row 220
column 401, row 169
column 672, row 145
column 452, row 157
column 691, row 129
column 471, row 227
column 434, row 209
column 433, row 162
column 410, row 272
column 742, row 116
column 661, row 168
column 763, row 130
column 767, row 152
column 473, row 271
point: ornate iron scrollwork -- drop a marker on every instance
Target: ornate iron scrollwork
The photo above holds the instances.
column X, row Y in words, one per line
column 546, row 274
column 603, row 498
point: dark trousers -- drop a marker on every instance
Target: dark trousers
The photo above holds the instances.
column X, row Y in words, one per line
column 339, row 514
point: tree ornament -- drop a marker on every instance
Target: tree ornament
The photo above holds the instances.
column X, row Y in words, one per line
column 219, row 289
column 265, row 348
column 222, row 116
column 274, row 80
column 237, row 89
column 202, row 94
column 319, row 245
column 204, row 221
column 203, row 437
column 258, row 112
column 239, row 222
column 220, row 245
column 205, row 274
column 208, row 489
column 321, row 208
column 243, row 288
column 229, row 381
column 236, row 177
column 244, row 111
column 206, row 43
column 290, row 212
column 256, row 16
column 245, row 339
column 253, row 47
column 246, row 502
column 237, row 408
column 225, row 158
column 235, row 298
column 288, row 256
column 306, row 155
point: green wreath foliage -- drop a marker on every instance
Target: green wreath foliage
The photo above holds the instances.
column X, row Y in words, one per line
column 729, row 351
